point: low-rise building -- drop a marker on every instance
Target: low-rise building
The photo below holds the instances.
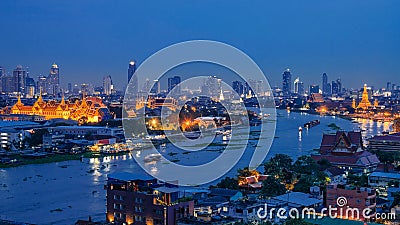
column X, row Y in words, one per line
column 388, row 142
column 382, row 181
column 353, row 197
column 346, row 151
column 137, row 200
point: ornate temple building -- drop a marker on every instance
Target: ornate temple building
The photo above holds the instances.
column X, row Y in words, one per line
column 365, row 103
column 346, row 151
column 87, row 110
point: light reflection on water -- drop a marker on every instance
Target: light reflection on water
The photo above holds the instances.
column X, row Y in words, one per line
column 29, row 193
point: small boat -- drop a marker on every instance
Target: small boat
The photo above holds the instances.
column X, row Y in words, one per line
column 312, row 123
column 300, row 129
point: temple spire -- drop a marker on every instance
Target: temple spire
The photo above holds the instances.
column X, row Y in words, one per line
column 40, row 99
column 19, row 102
column 365, row 103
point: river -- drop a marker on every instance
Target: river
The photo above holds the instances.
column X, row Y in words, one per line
column 63, row 192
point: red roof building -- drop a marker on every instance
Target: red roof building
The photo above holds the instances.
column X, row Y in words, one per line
column 346, row 150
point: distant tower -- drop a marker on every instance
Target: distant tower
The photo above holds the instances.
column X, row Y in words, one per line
column 131, row 69
column 365, row 103
column 132, row 80
column 19, row 79
column 287, row 82
column 238, row 87
column 354, row 104
column 53, row 80
column 221, row 96
column 296, row 85
column 325, row 84
column 107, row 85
column 173, row 82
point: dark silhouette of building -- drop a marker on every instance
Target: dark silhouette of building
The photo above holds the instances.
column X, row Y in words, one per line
column 314, row 89
column 325, row 89
column 286, row 82
column 173, row 82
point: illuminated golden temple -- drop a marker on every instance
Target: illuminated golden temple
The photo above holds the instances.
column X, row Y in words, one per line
column 365, row 103
column 86, row 110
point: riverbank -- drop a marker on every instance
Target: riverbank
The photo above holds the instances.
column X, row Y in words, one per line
column 22, row 161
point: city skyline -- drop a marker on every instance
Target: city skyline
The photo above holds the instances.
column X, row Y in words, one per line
column 335, row 38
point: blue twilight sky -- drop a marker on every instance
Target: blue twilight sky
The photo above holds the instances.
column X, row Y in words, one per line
column 358, row 41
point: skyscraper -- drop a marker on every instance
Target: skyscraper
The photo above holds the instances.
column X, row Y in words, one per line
column 53, row 80
column 69, row 88
column 30, row 87
column 131, row 69
column 325, row 84
column 314, row 89
column 19, row 79
column 238, row 87
column 132, row 79
column 42, row 84
column 336, row 86
column 173, row 82
column 296, row 85
column 1, row 78
column 156, row 89
column 389, row 86
column 301, row 88
column 107, row 85
column 286, row 82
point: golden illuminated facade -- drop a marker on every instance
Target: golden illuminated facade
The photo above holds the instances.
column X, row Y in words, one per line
column 82, row 111
column 153, row 103
column 365, row 103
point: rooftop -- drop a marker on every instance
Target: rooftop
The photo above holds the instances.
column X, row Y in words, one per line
column 385, row 175
column 298, row 198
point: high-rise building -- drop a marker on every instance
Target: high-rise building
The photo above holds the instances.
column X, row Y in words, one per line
column 69, row 88
column 156, row 89
column 328, row 89
column 53, row 80
column 131, row 69
column 325, row 89
column 296, row 85
column 286, row 82
column 19, row 79
column 42, row 84
column 107, row 85
column 30, row 87
column 336, row 87
column 301, row 88
column 238, row 87
column 173, row 82
column 132, row 78
column 389, row 86
column 1, row 78
column 7, row 84
column 314, row 89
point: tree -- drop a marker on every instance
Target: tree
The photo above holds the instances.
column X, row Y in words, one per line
column 279, row 166
column 305, row 165
column 361, row 181
column 229, row 183
column 323, row 164
column 272, row 187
